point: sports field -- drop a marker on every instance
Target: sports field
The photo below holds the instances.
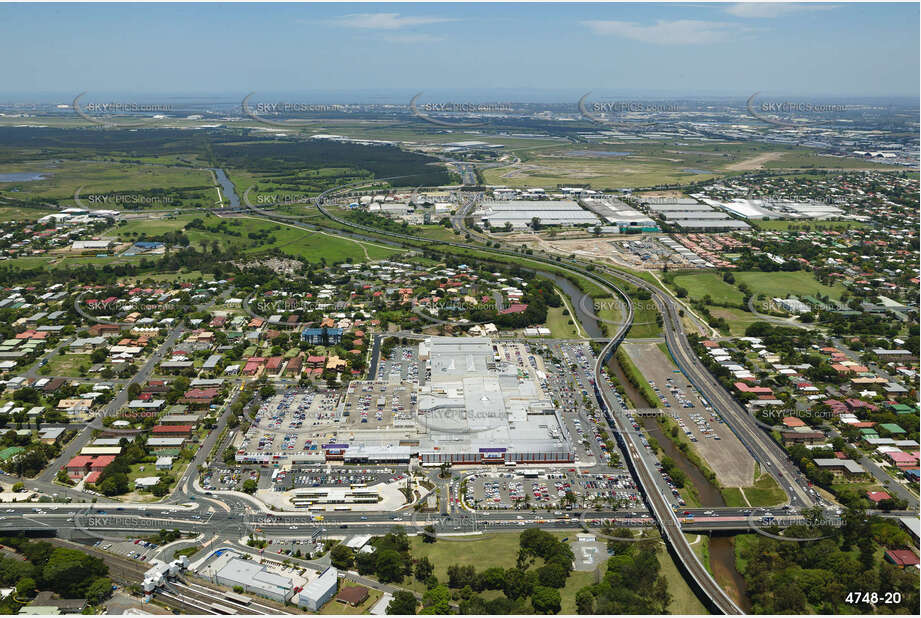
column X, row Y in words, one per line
column 699, row 285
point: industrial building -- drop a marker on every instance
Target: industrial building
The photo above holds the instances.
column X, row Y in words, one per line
column 775, row 209
column 521, row 212
column 626, row 219
column 710, row 225
column 230, row 571
column 319, row 591
column 672, row 207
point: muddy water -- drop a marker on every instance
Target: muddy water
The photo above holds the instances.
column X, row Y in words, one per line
column 723, row 567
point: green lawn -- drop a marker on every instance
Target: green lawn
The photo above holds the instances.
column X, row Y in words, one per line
column 68, row 365
column 781, row 284
column 558, row 323
column 312, row 245
column 777, row 224
column 684, row 601
column 21, row 214
column 738, row 319
column 188, row 187
column 501, row 549
column 699, row 285
column 765, row 492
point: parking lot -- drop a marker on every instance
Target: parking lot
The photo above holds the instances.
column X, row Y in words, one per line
column 296, row 421
column 130, row 548
column 228, row 479
column 548, row 488
column 378, row 404
column 329, row 476
column 701, row 424
column 403, row 366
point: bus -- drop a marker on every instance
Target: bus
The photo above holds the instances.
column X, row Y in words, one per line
column 510, row 464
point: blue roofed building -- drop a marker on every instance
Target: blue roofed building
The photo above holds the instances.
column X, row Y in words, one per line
column 322, row 336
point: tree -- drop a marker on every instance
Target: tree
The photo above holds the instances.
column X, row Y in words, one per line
column 546, row 600
column 249, row 486
column 424, row 569
column 585, row 602
column 517, row 584
column 460, row 576
column 429, row 535
column 403, row 602
column 68, row 571
column 437, row 600
column 492, row 578
column 99, row 590
column 389, row 566
column 341, row 557
column 552, row 575
column 25, row 588
column 365, row 563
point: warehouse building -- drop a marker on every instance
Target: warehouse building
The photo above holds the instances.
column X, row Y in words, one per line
column 520, row 213
column 319, row 591
column 620, row 215
column 254, row 578
column 711, row 225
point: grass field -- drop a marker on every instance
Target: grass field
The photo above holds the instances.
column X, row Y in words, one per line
column 776, row 224
column 643, row 162
column 684, row 601
column 700, row 545
column 738, row 320
column 644, row 321
column 315, row 246
column 781, row 284
column 699, row 285
column 110, row 180
column 68, row 365
column 502, row 550
column 558, row 323
column 765, row 492
column 22, row 214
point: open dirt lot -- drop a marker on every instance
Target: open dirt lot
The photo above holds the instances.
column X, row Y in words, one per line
column 755, row 163
column 717, row 445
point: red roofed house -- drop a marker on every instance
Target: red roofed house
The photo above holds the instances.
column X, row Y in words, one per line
column 172, row 431
column 878, row 496
column 902, row 460
column 294, row 365
column 514, row 308
column 792, row 421
column 758, row 390
column 199, row 396
column 901, row 557
column 273, row 365
column 80, row 465
column 253, row 366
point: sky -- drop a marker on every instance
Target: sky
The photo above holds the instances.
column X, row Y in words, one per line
column 493, row 51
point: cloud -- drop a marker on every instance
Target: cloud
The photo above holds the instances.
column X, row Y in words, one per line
column 772, row 9
column 386, row 21
column 679, row 32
